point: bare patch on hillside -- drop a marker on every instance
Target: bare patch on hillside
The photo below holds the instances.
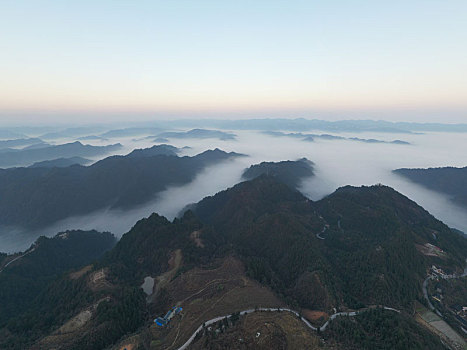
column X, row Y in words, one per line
column 77, row 274
column 430, row 250
column 175, row 261
column 98, row 280
column 195, row 237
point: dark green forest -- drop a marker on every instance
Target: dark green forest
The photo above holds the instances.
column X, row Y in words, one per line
column 289, row 172
column 382, row 330
column 27, row 277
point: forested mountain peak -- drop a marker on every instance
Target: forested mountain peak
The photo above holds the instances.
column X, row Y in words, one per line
column 289, row 172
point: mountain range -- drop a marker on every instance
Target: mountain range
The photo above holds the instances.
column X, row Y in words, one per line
column 197, row 134
column 38, row 196
column 61, row 162
column 313, row 137
column 27, row 156
column 259, row 244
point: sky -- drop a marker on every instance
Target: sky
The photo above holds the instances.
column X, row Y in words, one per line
column 371, row 59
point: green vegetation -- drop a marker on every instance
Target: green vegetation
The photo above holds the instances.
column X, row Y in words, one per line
column 145, row 249
column 379, row 329
column 289, row 172
column 24, row 279
column 31, row 291
column 61, row 300
column 366, row 254
column 370, row 242
column 121, row 304
column 122, row 315
column 454, row 291
column 2, row 257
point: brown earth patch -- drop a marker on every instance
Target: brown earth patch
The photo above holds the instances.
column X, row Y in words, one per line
column 161, row 281
column 195, row 237
column 315, row 315
column 127, row 347
column 429, row 250
column 98, row 280
column 77, row 274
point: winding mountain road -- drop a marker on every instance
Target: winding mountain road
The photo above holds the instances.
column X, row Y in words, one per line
column 307, row 323
column 318, row 235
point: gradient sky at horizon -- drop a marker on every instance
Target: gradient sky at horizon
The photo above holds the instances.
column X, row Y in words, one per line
column 396, row 59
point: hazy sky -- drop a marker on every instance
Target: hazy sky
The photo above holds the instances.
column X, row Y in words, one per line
column 391, row 59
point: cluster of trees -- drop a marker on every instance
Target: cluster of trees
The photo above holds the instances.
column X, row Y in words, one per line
column 2, row 257
column 122, row 307
column 27, row 277
column 123, row 314
column 36, row 291
column 289, row 172
column 454, row 291
column 379, row 329
column 62, row 299
column 146, row 248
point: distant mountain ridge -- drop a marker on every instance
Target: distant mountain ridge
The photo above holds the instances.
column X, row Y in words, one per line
column 197, row 134
column 450, row 181
column 301, row 124
column 61, row 162
column 312, row 137
column 20, row 142
column 38, row 196
column 74, row 149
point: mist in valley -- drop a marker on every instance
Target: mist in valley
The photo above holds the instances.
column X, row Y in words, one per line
column 337, row 163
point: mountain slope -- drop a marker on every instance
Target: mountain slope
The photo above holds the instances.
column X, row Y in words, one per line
column 257, row 244
column 349, row 240
column 25, row 275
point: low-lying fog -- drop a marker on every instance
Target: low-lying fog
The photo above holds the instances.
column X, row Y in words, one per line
column 337, row 163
